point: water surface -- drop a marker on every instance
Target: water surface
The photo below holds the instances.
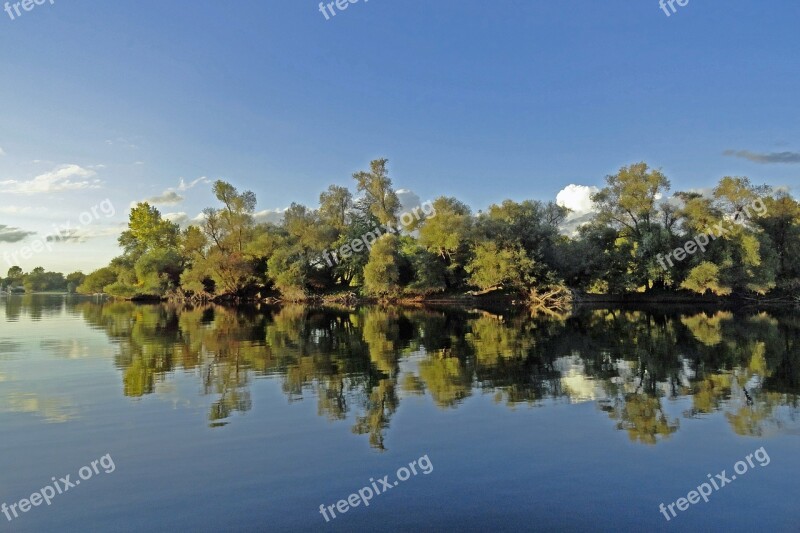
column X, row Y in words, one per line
column 248, row 419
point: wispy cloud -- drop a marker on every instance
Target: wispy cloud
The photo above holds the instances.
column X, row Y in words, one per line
column 61, row 178
column 84, row 234
column 2, row 152
column 121, row 141
column 183, row 186
column 9, row 234
column 765, row 158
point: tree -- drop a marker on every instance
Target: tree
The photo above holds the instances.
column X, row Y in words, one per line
column 495, row 267
column 420, row 271
column 97, row 281
column 381, row 275
column 15, row 273
column 334, row 207
column 629, row 198
column 448, row 236
column 379, row 197
column 780, row 222
column 224, row 260
column 705, row 277
column 74, row 280
column 147, row 230
column 150, row 264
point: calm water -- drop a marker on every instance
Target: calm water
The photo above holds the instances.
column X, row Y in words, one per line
column 249, row 419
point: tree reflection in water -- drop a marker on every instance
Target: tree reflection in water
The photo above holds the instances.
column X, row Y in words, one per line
column 745, row 365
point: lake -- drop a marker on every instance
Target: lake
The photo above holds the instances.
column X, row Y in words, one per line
column 250, row 419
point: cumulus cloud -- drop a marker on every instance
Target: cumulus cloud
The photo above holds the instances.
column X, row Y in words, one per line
column 577, row 198
column 408, row 200
column 61, row 178
column 9, row 234
column 765, row 158
column 180, row 218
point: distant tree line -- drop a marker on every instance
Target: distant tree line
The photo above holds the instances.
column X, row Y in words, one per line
column 512, row 246
column 38, row 280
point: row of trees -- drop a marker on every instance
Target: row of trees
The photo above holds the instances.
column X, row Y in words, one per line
column 38, row 280
column 513, row 245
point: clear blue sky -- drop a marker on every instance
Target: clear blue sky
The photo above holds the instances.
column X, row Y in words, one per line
column 481, row 100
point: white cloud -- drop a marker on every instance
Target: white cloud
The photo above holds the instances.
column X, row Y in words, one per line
column 274, row 216
column 578, row 198
column 62, row 178
column 180, row 218
column 2, row 152
column 183, row 186
column 408, row 200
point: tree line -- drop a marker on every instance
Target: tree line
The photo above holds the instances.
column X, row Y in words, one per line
column 39, row 280
column 514, row 246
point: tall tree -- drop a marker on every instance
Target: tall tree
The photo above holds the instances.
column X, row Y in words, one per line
column 334, row 206
column 379, row 196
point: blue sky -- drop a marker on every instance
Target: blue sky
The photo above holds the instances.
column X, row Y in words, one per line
column 480, row 100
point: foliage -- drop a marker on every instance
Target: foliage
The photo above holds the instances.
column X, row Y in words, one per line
column 348, row 244
column 381, row 274
column 494, row 267
column 705, row 277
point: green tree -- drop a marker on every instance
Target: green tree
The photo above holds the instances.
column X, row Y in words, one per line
column 334, row 207
column 494, row 267
column 705, row 277
column 224, row 261
column 379, row 197
column 628, row 203
column 97, row 281
column 381, row 274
